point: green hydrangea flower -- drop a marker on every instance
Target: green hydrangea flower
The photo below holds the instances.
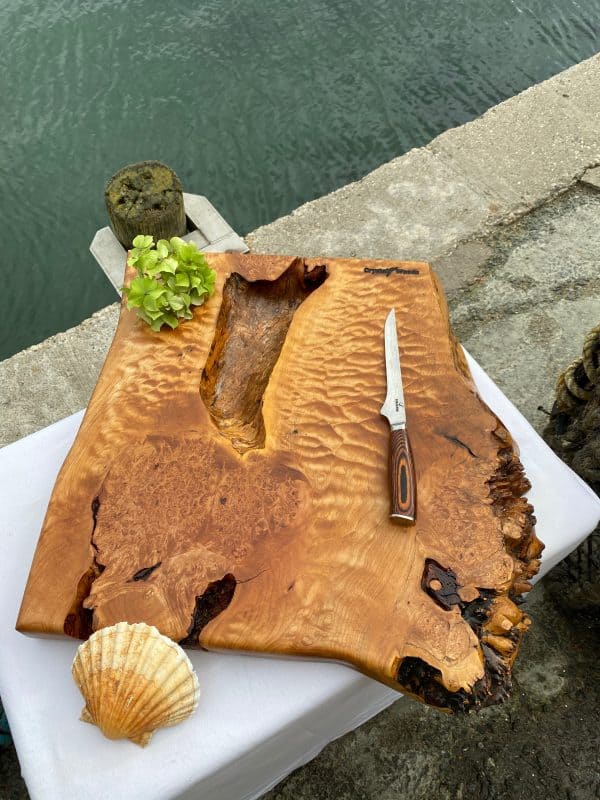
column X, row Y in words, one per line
column 172, row 277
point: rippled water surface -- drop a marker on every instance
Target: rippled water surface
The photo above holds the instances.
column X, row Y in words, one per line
column 259, row 104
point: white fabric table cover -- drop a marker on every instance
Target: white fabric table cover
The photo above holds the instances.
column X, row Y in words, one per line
column 258, row 718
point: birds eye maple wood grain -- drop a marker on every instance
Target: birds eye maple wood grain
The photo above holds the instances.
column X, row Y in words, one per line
column 229, row 484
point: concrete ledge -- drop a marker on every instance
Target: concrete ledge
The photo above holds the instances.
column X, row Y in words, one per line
column 410, row 208
column 55, row 378
column 440, row 203
column 529, row 148
column 533, row 297
column 516, row 156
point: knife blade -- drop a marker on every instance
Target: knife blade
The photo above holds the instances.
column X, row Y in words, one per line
column 403, row 489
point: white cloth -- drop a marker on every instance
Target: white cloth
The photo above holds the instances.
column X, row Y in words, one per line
column 258, row 718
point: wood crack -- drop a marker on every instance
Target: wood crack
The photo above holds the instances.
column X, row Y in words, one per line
column 459, row 442
column 215, row 599
column 144, row 573
column 78, row 622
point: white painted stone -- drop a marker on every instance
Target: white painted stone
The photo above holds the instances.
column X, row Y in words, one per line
column 110, row 254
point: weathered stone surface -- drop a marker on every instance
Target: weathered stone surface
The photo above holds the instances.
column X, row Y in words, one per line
column 525, row 318
column 55, row 378
column 412, row 207
column 528, row 148
column 462, row 267
column 591, row 177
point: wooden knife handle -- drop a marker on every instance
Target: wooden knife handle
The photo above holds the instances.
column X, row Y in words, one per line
column 402, row 479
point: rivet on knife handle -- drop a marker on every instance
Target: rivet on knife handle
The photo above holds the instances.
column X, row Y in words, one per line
column 402, row 479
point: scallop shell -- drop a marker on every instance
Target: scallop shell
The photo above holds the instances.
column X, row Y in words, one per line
column 134, row 680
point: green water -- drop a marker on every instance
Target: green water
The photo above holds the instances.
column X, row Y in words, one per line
column 260, row 106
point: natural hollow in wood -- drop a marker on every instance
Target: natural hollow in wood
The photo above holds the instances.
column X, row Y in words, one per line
column 250, row 332
column 229, row 484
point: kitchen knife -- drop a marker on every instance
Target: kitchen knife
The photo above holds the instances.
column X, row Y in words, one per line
column 403, row 490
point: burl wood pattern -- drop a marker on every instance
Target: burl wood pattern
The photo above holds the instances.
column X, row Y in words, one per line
column 403, row 490
column 229, row 484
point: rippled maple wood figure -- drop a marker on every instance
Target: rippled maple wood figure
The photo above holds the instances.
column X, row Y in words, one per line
column 229, row 485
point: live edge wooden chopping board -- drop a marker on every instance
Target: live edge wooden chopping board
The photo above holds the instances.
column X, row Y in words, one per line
column 229, row 485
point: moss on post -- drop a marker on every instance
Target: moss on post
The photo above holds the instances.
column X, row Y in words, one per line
column 145, row 198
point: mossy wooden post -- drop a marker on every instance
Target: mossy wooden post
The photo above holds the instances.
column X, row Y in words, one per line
column 145, row 198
